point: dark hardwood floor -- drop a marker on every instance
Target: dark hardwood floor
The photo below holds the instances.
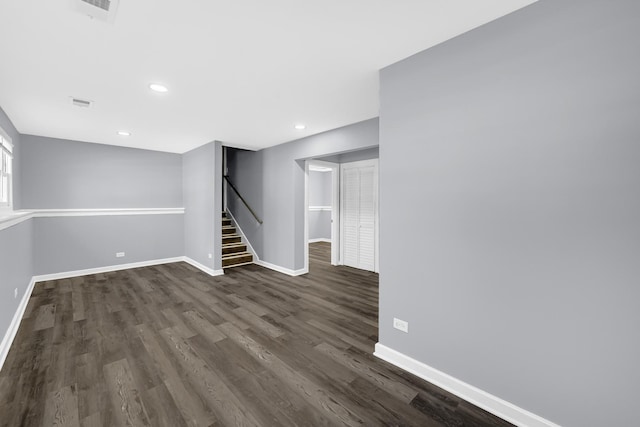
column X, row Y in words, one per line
column 171, row 346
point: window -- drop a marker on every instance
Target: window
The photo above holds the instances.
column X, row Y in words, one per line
column 6, row 159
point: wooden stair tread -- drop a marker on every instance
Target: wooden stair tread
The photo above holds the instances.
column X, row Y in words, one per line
column 232, row 244
column 236, row 255
column 233, row 248
column 240, row 264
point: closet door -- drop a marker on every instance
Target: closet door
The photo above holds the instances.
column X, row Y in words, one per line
column 359, row 205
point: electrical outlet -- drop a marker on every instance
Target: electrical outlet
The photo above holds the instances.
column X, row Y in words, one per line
column 401, row 325
column 210, row 256
column 15, row 293
column 119, row 254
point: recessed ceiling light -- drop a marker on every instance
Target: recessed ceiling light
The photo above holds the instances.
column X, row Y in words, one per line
column 157, row 87
column 300, row 126
column 124, row 133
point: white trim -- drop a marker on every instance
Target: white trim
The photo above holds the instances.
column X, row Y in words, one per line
column 318, row 168
column 320, row 208
column 307, row 168
column 335, row 214
column 10, row 335
column 196, row 264
column 319, row 239
column 106, row 269
column 471, row 394
column 282, row 270
column 48, row 213
column 11, row 218
column 118, row 267
column 6, row 150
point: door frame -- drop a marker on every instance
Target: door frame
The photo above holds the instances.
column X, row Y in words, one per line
column 335, row 210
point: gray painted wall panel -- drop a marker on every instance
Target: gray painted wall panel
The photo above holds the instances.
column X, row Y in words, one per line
column 320, row 188
column 279, row 173
column 16, row 269
column 320, row 191
column 76, row 243
column 319, row 225
column 16, row 244
column 62, row 174
column 202, row 201
column 520, row 275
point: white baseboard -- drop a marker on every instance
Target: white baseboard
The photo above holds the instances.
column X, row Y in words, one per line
column 471, row 394
column 196, row 264
column 107, row 269
column 282, row 270
column 88, row 271
column 10, row 335
column 320, row 239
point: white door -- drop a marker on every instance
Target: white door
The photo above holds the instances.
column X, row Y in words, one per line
column 359, row 214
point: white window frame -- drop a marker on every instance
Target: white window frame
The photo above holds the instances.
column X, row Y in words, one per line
column 6, row 171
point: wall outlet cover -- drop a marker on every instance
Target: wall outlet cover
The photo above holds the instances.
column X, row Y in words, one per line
column 401, row 325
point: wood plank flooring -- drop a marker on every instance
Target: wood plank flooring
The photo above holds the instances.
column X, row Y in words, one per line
column 171, row 346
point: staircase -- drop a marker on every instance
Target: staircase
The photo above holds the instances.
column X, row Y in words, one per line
column 234, row 252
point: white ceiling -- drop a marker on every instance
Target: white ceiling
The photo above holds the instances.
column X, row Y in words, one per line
column 239, row 71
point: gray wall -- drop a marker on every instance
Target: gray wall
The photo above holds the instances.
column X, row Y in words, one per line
column 320, row 192
column 320, row 188
column 272, row 180
column 520, row 276
column 16, row 247
column 16, row 269
column 319, row 225
column 62, row 174
column 77, row 243
column 202, row 169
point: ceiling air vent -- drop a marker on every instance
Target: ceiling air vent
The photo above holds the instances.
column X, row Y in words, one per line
column 83, row 103
column 103, row 10
column 102, row 4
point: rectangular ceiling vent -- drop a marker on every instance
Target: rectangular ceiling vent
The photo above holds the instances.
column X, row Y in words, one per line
column 102, row 4
column 102, row 10
column 82, row 103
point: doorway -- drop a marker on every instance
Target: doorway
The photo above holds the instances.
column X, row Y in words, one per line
column 322, row 207
column 341, row 208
